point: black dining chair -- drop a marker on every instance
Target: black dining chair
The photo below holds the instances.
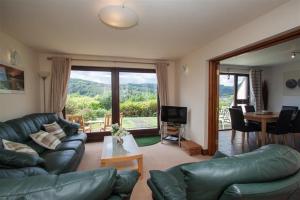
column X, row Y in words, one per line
column 295, row 108
column 295, row 127
column 282, row 126
column 238, row 124
column 249, row 108
column 237, row 107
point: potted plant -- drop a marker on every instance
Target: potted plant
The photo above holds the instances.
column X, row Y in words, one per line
column 118, row 132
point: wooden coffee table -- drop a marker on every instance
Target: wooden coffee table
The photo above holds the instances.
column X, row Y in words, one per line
column 125, row 156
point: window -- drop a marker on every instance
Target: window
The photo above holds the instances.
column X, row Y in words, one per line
column 102, row 96
column 233, row 91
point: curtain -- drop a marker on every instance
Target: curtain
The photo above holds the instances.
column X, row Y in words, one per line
column 256, row 89
column 61, row 69
column 162, row 80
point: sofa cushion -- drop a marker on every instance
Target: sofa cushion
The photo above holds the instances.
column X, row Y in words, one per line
column 18, row 147
column 208, row 179
column 23, row 127
column 12, row 158
column 81, row 137
column 45, row 139
column 58, row 162
column 8, row 133
column 168, row 186
column 22, row 172
column 72, row 145
column 90, row 185
column 38, row 148
column 42, row 118
column 125, row 183
column 55, row 130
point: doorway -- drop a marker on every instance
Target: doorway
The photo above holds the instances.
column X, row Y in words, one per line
column 214, row 76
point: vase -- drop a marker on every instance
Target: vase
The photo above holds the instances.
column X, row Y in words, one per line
column 117, row 140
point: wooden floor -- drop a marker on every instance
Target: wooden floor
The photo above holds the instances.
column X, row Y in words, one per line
column 236, row 147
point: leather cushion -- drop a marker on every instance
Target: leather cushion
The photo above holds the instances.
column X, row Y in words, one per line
column 8, row 133
column 22, row 172
column 168, row 186
column 125, row 182
column 59, row 161
column 72, row 145
column 90, row 185
column 18, row 159
column 81, row 137
column 208, row 179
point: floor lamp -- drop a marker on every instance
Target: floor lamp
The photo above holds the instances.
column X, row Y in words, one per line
column 44, row 76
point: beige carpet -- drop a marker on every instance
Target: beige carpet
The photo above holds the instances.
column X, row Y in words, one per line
column 158, row 156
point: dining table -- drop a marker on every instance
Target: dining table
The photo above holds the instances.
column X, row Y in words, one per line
column 264, row 118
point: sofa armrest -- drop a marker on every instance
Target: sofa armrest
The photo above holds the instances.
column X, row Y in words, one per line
column 22, row 172
column 125, row 183
column 92, row 185
column 69, row 127
column 167, row 185
column 19, row 159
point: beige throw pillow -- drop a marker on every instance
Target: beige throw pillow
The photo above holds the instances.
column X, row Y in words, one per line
column 18, row 147
column 45, row 139
column 55, row 130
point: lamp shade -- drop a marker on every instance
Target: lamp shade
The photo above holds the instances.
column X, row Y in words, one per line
column 44, row 74
column 118, row 17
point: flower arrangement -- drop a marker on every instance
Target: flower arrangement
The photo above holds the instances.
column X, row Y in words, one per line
column 118, row 132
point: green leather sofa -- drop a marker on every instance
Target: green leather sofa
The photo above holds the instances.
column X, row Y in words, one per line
column 49, row 175
column 268, row 173
column 101, row 184
column 65, row 158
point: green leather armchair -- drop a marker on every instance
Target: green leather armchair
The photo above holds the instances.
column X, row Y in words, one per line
column 271, row 172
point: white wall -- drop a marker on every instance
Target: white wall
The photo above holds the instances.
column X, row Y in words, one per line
column 274, row 78
column 193, row 86
column 45, row 65
column 17, row 105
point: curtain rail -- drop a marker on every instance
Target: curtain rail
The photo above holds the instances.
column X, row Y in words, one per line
column 114, row 61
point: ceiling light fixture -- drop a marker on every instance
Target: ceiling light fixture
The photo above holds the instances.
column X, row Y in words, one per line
column 294, row 54
column 119, row 17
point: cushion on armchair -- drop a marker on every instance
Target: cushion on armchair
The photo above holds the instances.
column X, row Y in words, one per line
column 207, row 180
column 168, row 185
column 18, row 147
column 55, row 129
column 19, row 159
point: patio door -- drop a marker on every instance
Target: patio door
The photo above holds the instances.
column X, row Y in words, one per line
column 234, row 90
column 103, row 96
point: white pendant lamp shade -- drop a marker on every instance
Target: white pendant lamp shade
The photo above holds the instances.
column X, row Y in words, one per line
column 118, row 17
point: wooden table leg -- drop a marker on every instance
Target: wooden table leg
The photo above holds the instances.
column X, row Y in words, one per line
column 263, row 132
column 140, row 166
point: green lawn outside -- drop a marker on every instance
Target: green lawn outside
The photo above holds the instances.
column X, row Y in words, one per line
column 131, row 123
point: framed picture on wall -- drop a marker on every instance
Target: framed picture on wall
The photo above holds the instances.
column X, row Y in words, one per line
column 291, row 81
column 12, row 79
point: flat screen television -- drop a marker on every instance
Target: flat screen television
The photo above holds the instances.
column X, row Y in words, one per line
column 174, row 114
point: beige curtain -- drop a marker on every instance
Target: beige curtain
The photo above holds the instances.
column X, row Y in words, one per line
column 256, row 89
column 61, row 69
column 162, row 80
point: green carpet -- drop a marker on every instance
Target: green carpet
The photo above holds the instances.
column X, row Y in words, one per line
column 147, row 140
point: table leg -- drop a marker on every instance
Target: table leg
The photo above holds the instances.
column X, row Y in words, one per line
column 263, row 132
column 140, row 166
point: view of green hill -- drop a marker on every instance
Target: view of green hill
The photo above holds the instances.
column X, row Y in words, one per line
column 226, row 90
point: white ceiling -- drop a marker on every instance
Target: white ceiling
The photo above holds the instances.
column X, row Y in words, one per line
column 272, row 56
column 167, row 28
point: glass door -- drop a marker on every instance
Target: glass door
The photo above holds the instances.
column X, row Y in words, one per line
column 138, row 100
column 89, row 100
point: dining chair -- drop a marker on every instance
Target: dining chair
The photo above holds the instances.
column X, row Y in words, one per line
column 295, row 127
column 249, row 108
column 79, row 120
column 238, row 124
column 281, row 127
column 237, row 107
column 295, row 108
